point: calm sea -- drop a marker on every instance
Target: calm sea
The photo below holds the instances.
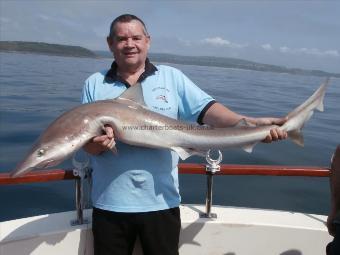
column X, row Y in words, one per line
column 35, row 89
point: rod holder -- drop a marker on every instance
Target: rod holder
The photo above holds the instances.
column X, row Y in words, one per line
column 82, row 171
column 211, row 168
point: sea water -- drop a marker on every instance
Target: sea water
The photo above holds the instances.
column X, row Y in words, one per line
column 35, row 89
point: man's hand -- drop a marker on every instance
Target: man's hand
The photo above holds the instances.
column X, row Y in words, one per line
column 276, row 133
column 101, row 143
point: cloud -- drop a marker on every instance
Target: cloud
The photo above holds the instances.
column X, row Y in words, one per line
column 218, row 41
column 318, row 52
column 229, row 47
column 185, row 42
column 267, row 46
column 285, row 49
column 334, row 53
column 43, row 17
column 309, row 51
column 4, row 20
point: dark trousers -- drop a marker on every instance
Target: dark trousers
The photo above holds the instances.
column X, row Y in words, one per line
column 333, row 248
column 115, row 233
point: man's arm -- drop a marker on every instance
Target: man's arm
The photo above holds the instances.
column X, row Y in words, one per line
column 335, row 190
column 220, row 116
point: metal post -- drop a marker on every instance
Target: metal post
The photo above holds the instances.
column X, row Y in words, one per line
column 208, row 200
column 211, row 168
column 82, row 171
column 79, row 206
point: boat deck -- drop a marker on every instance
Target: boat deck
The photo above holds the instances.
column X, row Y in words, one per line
column 235, row 231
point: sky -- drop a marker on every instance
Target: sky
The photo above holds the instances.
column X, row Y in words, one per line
column 301, row 34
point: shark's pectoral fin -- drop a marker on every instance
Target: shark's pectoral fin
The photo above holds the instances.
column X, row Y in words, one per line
column 310, row 114
column 114, row 150
column 185, row 153
column 320, row 106
column 297, row 137
column 249, row 147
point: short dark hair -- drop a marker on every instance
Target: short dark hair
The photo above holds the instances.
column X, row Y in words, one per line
column 126, row 18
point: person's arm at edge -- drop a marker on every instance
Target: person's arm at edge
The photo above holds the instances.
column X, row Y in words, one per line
column 220, row 116
column 335, row 190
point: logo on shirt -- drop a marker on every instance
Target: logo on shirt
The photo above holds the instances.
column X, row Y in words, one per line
column 162, row 98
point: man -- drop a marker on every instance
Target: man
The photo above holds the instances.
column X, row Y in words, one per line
column 333, row 221
column 135, row 192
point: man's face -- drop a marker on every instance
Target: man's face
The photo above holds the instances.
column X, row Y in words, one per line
column 129, row 45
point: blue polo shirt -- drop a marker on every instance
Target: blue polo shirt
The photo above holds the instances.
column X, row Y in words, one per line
column 140, row 179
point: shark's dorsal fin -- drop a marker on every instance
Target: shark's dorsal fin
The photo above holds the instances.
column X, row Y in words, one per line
column 134, row 93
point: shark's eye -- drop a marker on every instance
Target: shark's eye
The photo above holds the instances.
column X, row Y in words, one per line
column 41, row 152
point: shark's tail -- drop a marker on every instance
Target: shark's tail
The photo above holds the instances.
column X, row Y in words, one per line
column 301, row 114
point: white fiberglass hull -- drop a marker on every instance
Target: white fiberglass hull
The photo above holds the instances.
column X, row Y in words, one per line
column 240, row 231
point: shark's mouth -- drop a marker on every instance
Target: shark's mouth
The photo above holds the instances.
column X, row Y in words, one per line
column 23, row 168
column 46, row 163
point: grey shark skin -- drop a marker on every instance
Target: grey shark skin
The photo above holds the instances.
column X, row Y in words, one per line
column 134, row 124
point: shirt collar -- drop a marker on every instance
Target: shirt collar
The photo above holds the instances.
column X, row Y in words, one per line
column 111, row 76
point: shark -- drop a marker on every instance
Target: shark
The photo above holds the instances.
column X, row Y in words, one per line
column 135, row 124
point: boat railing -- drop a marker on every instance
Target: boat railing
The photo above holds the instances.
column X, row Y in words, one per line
column 184, row 168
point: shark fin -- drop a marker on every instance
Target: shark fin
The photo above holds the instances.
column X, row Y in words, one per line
column 310, row 114
column 297, row 137
column 134, row 94
column 320, row 107
column 114, row 150
column 244, row 123
column 249, row 147
column 185, row 153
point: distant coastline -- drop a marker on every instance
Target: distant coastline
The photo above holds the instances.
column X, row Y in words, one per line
column 45, row 48
column 77, row 51
column 237, row 64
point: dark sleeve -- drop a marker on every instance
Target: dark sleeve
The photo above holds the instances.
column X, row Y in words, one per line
column 204, row 110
